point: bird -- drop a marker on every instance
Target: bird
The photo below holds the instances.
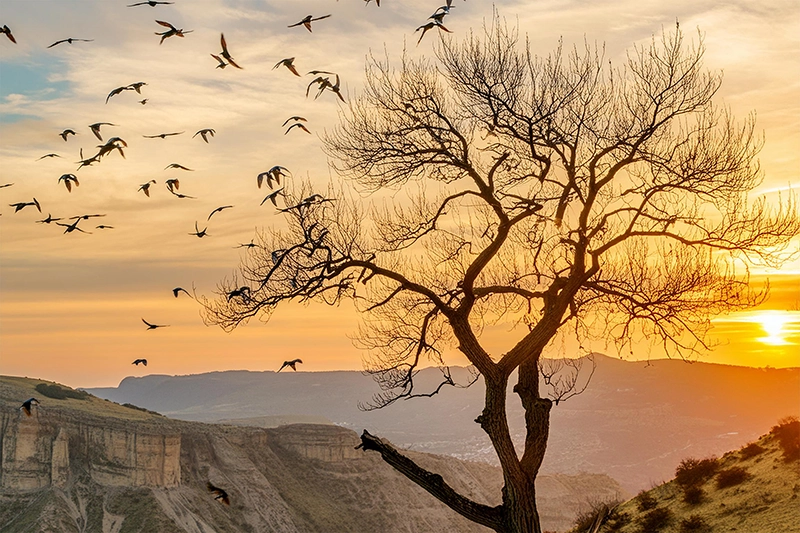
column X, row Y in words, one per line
column 217, row 210
column 295, row 118
column 28, row 404
column 154, row 326
column 176, row 165
column 297, row 125
column 116, row 92
column 275, row 173
column 176, row 290
column 67, row 132
column 96, row 128
column 376, row 1
column 334, row 88
column 68, row 179
column 219, row 494
column 291, row 364
column 323, row 81
column 200, row 234
column 145, row 187
column 48, row 155
column 162, row 135
column 250, row 245
column 225, row 52
column 288, row 63
column 85, row 217
column 114, row 143
column 70, row 40
column 143, row 102
column 171, row 31
column 5, row 29
column 72, row 227
column 179, row 195
column 204, row 133
column 3, row 186
column 307, row 21
column 242, row 292
column 220, row 62
column 22, row 205
column 142, row 361
column 151, row 3
column 428, row 26
column 173, row 184
column 272, row 197
column 48, row 220
column 136, row 86
column 103, row 226
column 88, row 161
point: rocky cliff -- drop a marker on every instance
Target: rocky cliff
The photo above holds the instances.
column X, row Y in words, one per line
column 86, row 465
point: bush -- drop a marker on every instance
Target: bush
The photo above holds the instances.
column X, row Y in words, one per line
column 751, row 450
column 645, row 501
column 655, row 520
column 693, row 495
column 60, row 393
column 691, row 472
column 788, row 433
column 731, row 476
column 694, row 523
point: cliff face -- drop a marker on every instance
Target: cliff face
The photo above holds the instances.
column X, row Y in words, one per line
column 92, row 465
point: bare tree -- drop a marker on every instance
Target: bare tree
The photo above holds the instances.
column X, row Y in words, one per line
column 559, row 192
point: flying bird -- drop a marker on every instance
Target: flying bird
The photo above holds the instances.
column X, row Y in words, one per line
column 307, row 21
column 288, row 63
column 3, row 186
column 68, row 179
column 48, row 220
column 275, row 173
column 137, row 86
column 176, row 290
column 295, row 118
column 250, row 245
column 151, row 3
column 154, row 326
column 179, row 195
column 297, row 125
column 204, row 133
column 142, row 361
column 85, row 217
column 143, row 102
column 5, row 29
column 217, row 210
column 88, row 161
column 67, row 132
column 114, row 143
column 225, row 52
column 96, row 128
column 162, row 135
column 220, row 62
column 291, row 364
column 241, row 292
column 200, row 234
column 171, row 31
column 116, row 92
column 72, row 227
column 176, row 165
column 145, row 187
column 28, row 404
column 70, row 40
column 219, row 494
column 103, row 226
column 48, row 155
column 376, row 1
column 272, row 197
column 428, row 26
column 19, row 206
column 173, row 184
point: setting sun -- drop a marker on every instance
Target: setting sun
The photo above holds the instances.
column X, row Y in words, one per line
column 774, row 323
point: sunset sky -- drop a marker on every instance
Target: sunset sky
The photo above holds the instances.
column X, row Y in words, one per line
column 71, row 305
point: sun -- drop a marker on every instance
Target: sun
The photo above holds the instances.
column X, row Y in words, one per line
column 773, row 323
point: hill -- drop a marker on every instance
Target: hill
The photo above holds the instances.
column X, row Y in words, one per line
column 83, row 464
column 633, row 423
column 755, row 489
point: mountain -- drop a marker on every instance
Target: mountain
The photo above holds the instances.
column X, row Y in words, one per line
column 83, row 464
column 755, row 489
column 634, row 421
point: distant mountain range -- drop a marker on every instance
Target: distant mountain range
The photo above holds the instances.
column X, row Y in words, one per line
column 634, row 422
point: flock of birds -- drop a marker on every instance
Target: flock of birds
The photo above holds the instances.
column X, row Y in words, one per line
column 323, row 81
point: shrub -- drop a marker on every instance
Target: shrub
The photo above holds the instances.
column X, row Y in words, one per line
column 655, row 520
column 693, row 495
column 751, row 450
column 788, row 433
column 694, row 523
column 645, row 501
column 60, row 393
column 587, row 518
column 691, row 472
column 731, row 476
column 616, row 520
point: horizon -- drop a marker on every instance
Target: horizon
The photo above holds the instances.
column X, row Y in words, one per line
column 71, row 305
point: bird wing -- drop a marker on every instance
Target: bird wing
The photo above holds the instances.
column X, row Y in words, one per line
column 57, row 42
column 149, row 325
column 167, row 25
column 320, row 18
column 294, row 70
column 223, row 43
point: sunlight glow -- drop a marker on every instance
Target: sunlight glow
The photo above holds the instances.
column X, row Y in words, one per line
column 773, row 324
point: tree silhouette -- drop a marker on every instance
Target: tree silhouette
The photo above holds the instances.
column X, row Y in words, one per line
column 558, row 192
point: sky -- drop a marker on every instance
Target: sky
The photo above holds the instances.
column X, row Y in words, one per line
column 71, row 304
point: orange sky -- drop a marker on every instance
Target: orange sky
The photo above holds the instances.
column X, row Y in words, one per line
column 70, row 305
